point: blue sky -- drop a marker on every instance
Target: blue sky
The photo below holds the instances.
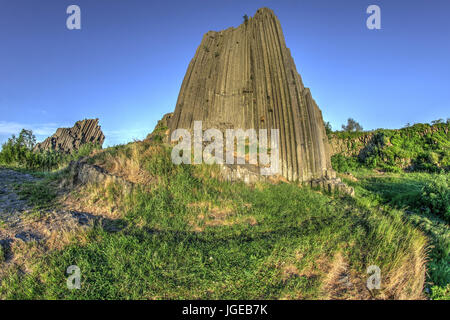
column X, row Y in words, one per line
column 125, row 66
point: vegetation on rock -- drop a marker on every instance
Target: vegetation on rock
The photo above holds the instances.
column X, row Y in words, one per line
column 421, row 147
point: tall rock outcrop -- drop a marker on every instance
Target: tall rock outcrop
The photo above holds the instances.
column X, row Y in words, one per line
column 67, row 140
column 245, row 78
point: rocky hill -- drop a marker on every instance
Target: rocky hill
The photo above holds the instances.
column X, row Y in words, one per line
column 421, row 147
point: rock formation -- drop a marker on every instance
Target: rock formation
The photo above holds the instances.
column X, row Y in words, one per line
column 245, row 78
column 81, row 172
column 161, row 128
column 67, row 140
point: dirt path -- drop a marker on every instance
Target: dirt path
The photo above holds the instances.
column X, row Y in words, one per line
column 11, row 206
column 17, row 223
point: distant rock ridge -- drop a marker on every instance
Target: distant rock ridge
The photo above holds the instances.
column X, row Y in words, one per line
column 67, row 140
column 246, row 78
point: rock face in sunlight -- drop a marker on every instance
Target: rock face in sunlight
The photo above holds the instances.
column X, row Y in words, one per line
column 67, row 140
column 246, row 78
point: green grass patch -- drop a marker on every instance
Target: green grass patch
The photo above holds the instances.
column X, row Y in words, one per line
column 39, row 194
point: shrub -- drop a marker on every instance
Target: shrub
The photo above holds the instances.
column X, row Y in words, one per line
column 341, row 163
column 436, row 197
column 426, row 161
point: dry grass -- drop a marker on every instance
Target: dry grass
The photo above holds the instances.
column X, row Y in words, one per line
column 128, row 164
column 407, row 279
column 218, row 216
column 404, row 281
column 289, row 271
column 105, row 199
column 340, row 282
column 23, row 255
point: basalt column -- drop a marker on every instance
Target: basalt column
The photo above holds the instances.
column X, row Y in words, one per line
column 246, row 78
column 67, row 140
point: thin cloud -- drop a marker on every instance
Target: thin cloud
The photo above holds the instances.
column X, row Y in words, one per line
column 121, row 136
column 43, row 129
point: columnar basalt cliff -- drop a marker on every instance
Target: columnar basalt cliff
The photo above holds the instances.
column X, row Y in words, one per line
column 245, row 78
column 67, row 140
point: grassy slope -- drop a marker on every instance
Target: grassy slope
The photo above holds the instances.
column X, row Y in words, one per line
column 184, row 235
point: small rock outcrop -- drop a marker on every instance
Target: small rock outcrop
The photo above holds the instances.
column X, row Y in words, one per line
column 67, row 140
column 161, row 130
column 81, row 173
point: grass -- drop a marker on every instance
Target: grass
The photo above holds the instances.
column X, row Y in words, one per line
column 186, row 235
column 40, row 194
column 2, row 255
column 405, row 192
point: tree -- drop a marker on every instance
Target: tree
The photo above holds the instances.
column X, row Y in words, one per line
column 245, row 18
column 328, row 128
column 27, row 139
column 437, row 121
column 352, row 125
column 18, row 150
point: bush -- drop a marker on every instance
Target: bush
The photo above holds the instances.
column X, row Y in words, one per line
column 426, row 161
column 341, row 163
column 436, row 197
